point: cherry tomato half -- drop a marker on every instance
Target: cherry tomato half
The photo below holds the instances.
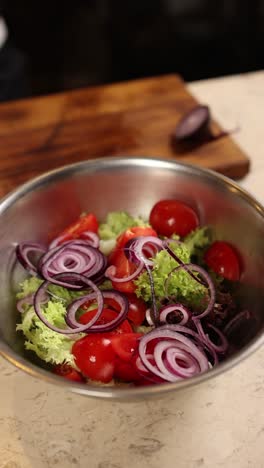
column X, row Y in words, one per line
column 137, row 309
column 169, row 217
column 124, row 268
column 66, row 371
column 130, row 233
column 95, row 357
column 223, row 260
column 106, row 316
column 125, row 345
column 126, row 371
column 86, row 222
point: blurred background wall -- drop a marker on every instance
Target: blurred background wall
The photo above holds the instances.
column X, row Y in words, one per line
column 68, row 44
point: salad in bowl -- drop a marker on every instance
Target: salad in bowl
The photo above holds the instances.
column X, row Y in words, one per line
column 131, row 301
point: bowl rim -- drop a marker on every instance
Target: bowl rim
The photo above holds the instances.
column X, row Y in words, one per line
column 124, row 392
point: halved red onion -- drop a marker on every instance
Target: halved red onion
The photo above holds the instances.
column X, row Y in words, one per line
column 176, row 356
column 221, row 348
column 189, row 267
column 38, row 298
column 178, row 311
column 73, row 256
column 90, row 326
column 24, row 250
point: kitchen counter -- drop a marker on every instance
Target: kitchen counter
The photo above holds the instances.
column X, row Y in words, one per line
column 217, row 424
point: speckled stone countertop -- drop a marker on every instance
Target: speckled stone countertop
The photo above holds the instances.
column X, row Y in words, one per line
column 217, row 424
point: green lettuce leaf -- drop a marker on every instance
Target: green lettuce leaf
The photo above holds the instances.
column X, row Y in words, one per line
column 197, row 241
column 49, row 346
column 116, row 223
column 180, row 285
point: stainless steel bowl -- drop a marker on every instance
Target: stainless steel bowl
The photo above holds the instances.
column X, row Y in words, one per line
column 48, row 203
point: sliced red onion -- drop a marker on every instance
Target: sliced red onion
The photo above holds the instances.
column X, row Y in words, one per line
column 148, row 317
column 27, row 300
column 200, row 342
column 169, row 365
column 154, row 309
column 222, row 348
column 189, row 267
column 73, row 256
column 92, row 238
column 111, row 271
column 90, row 326
column 89, row 236
column 56, row 242
column 24, row 249
column 173, row 349
column 63, row 277
column 149, row 249
column 144, row 372
column 178, row 311
column 146, row 242
column 236, row 321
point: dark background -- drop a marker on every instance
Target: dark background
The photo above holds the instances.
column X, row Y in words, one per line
column 83, row 42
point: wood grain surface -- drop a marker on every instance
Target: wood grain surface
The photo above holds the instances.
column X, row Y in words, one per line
column 134, row 118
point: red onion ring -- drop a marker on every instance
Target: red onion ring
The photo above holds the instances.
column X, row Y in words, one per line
column 173, row 344
column 146, row 242
column 90, row 237
column 90, row 326
column 27, row 300
column 111, row 270
column 22, row 252
column 236, row 321
column 148, row 317
column 191, row 266
column 218, row 348
column 78, row 278
column 169, row 309
column 73, row 256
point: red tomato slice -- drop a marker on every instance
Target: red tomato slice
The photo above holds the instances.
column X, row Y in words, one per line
column 87, row 222
column 124, row 268
column 94, row 356
column 107, row 316
column 126, row 371
column 125, row 345
column 130, row 233
column 137, row 309
column 66, row 371
column 223, row 260
column 169, row 217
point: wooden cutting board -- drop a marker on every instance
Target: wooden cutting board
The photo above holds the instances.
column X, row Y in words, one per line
column 132, row 118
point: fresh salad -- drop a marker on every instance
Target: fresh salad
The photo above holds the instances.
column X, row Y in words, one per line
column 130, row 300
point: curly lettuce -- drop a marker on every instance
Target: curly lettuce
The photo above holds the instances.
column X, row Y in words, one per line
column 167, row 282
column 117, row 222
column 50, row 346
